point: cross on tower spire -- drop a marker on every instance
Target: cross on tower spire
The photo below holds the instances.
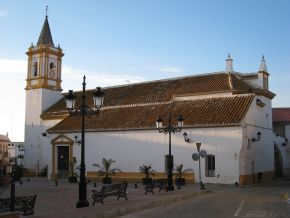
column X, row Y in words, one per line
column 45, row 37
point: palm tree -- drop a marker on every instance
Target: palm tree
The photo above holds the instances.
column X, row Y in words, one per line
column 105, row 170
column 179, row 172
column 147, row 170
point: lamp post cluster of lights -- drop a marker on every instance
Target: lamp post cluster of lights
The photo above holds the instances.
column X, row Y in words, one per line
column 170, row 128
column 98, row 99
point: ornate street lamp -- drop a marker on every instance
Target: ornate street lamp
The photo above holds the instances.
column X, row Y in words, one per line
column 170, row 129
column 70, row 98
column 20, row 156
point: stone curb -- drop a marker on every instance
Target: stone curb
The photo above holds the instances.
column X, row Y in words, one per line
column 148, row 205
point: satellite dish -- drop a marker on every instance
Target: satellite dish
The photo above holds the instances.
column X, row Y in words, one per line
column 195, row 156
column 203, row 153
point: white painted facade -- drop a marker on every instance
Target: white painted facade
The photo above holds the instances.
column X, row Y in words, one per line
column 234, row 148
column 257, row 156
column 284, row 151
column 132, row 149
column 34, row 127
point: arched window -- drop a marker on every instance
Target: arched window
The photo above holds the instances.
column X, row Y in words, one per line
column 210, row 165
column 51, row 65
column 35, row 68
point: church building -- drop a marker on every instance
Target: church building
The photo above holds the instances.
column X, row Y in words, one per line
column 228, row 112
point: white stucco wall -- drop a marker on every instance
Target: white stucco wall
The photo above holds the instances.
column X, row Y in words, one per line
column 257, row 156
column 37, row 101
column 132, row 149
column 223, row 142
column 285, row 153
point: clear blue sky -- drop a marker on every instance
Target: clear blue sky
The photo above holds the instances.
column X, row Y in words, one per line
column 120, row 41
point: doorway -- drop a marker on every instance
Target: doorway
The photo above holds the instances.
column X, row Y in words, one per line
column 63, row 161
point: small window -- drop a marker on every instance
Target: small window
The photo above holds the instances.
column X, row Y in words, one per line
column 35, row 68
column 210, row 165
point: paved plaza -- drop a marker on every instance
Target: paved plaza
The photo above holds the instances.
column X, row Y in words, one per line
column 60, row 201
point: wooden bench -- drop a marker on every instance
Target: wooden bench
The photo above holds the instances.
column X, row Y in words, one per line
column 118, row 190
column 156, row 183
column 21, row 203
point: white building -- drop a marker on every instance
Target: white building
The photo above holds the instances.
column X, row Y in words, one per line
column 229, row 112
column 281, row 129
column 7, row 153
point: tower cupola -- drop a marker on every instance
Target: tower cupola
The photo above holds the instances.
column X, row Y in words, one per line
column 229, row 64
column 263, row 74
column 44, row 62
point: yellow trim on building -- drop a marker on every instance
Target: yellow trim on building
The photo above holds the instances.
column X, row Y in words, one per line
column 135, row 176
column 60, row 140
column 256, row 178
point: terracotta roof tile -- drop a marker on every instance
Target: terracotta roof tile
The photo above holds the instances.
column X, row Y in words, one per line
column 247, row 76
column 224, row 111
column 281, row 115
column 162, row 91
column 45, row 37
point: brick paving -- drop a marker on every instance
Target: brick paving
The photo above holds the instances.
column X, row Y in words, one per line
column 60, row 201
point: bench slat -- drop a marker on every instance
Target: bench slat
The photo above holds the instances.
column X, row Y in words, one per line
column 110, row 190
column 21, row 203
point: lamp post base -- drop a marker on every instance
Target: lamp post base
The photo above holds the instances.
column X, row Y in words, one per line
column 84, row 203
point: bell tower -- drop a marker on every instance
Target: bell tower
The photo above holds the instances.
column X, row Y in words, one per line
column 44, row 62
column 43, row 89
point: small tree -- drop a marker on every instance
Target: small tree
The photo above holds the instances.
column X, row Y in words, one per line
column 179, row 172
column 106, row 171
column 147, row 170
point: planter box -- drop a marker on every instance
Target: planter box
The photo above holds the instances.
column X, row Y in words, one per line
column 179, row 181
column 72, row 179
column 107, row 180
column 147, row 181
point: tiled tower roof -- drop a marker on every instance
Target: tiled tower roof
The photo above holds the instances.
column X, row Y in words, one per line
column 45, row 37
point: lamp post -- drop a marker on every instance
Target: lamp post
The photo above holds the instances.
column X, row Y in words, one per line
column 98, row 99
column 170, row 129
column 12, row 189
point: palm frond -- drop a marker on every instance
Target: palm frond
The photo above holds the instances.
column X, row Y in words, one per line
column 105, row 169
